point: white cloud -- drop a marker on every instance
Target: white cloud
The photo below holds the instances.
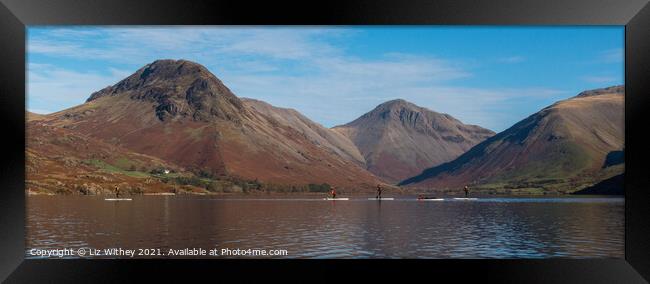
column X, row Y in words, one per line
column 616, row 55
column 288, row 67
column 337, row 98
column 388, row 70
column 247, row 59
column 51, row 88
column 280, row 44
column 131, row 45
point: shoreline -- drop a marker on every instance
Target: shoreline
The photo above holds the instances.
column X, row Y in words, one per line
column 321, row 195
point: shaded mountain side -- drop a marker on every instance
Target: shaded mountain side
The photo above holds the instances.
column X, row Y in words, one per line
column 399, row 139
column 611, row 186
column 564, row 144
column 179, row 112
column 614, row 158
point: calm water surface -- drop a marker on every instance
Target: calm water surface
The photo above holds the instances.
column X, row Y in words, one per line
column 575, row 227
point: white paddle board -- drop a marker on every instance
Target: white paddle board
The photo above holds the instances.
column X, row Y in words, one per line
column 117, row 199
column 383, row 198
column 431, row 199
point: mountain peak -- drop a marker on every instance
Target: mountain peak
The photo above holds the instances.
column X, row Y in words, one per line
column 400, row 107
column 154, row 72
column 619, row 90
column 399, row 139
column 406, row 112
column 569, row 140
column 171, row 68
column 178, row 88
column 177, row 111
column 397, row 103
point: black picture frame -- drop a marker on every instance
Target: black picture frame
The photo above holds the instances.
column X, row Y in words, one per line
column 15, row 15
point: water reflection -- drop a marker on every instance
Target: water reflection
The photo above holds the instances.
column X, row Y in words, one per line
column 309, row 228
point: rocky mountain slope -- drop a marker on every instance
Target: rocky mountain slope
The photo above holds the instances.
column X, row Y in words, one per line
column 399, row 139
column 564, row 147
column 179, row 112
column 318, row 134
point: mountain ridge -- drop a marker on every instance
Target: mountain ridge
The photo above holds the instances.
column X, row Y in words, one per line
column 178, row 111
column 314, row 131
column 160, row 81
column 399, row 138
column 568, row 141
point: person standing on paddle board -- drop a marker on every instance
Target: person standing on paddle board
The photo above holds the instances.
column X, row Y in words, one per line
column 333, row 192
column 466, row 191
column 378, row 191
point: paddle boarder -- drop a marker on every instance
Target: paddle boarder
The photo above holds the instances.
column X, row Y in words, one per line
column 378, row 191
column 117, row 192
column 333, row 191
column 466, row 189
column 422, row 197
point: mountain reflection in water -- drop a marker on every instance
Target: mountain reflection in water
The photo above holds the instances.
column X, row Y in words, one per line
column 311, row 228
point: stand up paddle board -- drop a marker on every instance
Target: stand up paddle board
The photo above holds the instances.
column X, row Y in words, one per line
column 383, row 198
column 117, row 199
column 338, row 198
column 431, row 199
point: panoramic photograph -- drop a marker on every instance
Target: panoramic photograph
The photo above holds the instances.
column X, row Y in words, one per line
column 324, row 142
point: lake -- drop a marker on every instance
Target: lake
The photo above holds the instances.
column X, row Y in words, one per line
column 308, row 227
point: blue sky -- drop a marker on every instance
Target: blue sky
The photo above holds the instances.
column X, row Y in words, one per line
column 489, row 76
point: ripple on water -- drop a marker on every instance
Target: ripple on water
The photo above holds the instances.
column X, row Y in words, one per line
column 489, row 228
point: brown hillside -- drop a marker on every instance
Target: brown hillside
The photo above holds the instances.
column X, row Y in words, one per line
column 399, row 139
column 564, row 146
column 180, row 112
